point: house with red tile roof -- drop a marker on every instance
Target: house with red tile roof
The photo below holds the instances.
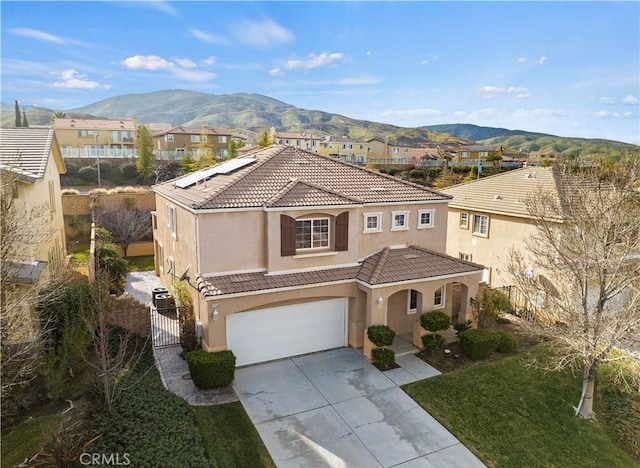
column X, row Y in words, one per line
column 287, row 252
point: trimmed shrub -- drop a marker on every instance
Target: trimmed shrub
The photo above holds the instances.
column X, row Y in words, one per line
column 383, row 356
column 478, row 343
column 381, row 335
column 462, row 327
column 209, row 370
column 434, row 342
column 434, row 321
column 392, row 171
column 507, row 343
column 417, row 173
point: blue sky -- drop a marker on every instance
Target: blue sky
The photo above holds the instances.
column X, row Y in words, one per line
column 565, row 68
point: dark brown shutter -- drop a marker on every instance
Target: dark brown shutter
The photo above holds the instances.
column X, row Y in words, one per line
column 342, row 231
column 287, row 236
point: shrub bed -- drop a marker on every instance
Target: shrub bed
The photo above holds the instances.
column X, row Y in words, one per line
column 507, row 343
column 209, row 370
column 434, row 342
column 385, row 357
column 151, row 424
column 381, row 335
column 478, row 343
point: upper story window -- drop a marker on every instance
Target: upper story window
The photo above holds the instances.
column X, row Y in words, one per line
column 480, row 225
column 464, row 220
column 438, row 299
column 312, row 233
column 483, row 154
column 172, row 220
column 121, row 136
column 168, row 138
column 425, row 218
column 372, row 222
column 199, row 138
column 464, row 256
column 85, row 133
column 406, row 150
column 464, row 154
column 399, row 220
column 396, row 149
column 222, row 139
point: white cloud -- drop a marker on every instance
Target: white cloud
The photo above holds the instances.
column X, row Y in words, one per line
column 412, row 114
column 208, row 37
column 185, row 63
column 522, row 59
column 488, row 113
column 492, row 92
column 628, row 115
column 313, row 61
column 163, row 7
column 368, row 52
column 607, row 115
column 209, row 61
column 183, row 68
column 147, row 62
column 542, row 113
column 541, row 60
column 630, row 99
column 276, row 71
column 38, row 35
column 261, row 34
column 71, row 79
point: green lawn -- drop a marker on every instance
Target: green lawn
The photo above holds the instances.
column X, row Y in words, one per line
column 513, row 416
column 27, row 438
column 143, row 263
column 230, row 439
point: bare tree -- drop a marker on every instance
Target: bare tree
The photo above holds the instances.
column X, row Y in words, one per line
column 581, row 271
column 127, row 225
column 23, row 231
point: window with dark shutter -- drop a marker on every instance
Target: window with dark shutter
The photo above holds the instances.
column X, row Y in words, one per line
column 342, row 231
column 287, row 236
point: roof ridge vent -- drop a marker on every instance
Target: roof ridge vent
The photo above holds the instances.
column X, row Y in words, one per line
column 497, row 197
column 531, row 175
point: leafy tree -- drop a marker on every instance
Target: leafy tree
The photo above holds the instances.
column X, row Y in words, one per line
column 232, row 149
column 204, row 150
column 488, row 307
column 145, row 164
column 18, row 115
column 265, row 140
column 127, row 225
column 25, row 122
column 580, row 272
column 57, row 115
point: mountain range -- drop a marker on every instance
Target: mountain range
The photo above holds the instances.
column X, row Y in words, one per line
column 256, row 112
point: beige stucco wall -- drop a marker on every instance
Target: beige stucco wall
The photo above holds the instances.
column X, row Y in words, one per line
column 505, row 232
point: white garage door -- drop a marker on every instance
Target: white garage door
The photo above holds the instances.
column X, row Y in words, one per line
column 278, row 332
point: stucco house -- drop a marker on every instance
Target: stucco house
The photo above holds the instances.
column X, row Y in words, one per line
column 488, row 217
column 288, row 252
column 32, row 158
column 174, row 142
column 91, row 138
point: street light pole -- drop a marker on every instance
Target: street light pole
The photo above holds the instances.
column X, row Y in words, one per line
column 98, row 158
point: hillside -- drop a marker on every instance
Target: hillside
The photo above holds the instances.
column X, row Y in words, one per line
column 256, row 112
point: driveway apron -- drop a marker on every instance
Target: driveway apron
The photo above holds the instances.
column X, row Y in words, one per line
column 335, row 409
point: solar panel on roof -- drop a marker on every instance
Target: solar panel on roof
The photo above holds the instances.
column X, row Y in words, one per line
column 226, row 167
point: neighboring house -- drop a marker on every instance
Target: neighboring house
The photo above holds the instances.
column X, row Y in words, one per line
column 384, row 152
column 289, row 252
column 488, row 217
column 352, row 150
column 175, row 142
column 32, row 156
column 92, row 138
column 483, row 153
column 304, row 140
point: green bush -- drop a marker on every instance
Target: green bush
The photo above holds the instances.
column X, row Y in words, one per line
column 381, row 335
column 392, row 171
column 149, row 422
column 507, row 343
column 489, row 306
column 417, row 173
column 210, row 370
column 383, row 356
column 478, row 343
column 112, row 267
column 434, row 342
column 434, row 321
column 461, row 327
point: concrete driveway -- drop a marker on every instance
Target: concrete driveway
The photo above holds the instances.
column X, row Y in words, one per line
column 335, row 409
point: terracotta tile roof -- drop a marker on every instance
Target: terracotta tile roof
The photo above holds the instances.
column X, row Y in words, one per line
column 411, row 263
column 95, row 124
column 301, row 193
column 502, row 193
column 384, row 267
column 259, row 183
column 25, row 151
column 191, row 131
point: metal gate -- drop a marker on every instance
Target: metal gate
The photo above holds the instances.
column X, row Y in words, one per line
column 165, row 326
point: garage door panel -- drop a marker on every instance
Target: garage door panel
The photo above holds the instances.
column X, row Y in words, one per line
column 278, row 332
